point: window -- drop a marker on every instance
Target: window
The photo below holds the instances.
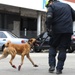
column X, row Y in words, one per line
column 2, row 35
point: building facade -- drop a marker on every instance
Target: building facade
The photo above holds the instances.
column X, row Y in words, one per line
column 25, row 18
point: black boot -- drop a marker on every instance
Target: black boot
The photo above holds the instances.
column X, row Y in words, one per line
column 51, row 69
column 58, row 71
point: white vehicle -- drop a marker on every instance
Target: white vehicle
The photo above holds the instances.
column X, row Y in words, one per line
column 6, row 35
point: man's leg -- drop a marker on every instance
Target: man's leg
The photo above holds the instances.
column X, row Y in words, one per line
column 54, row 42
column 52, row 60
column 64, row 44
column 61, row 60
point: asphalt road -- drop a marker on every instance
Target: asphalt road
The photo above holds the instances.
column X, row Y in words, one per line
column 41, row 59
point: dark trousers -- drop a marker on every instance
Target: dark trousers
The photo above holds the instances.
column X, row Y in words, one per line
column 59, row 43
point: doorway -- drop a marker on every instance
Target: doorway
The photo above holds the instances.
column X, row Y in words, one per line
column 28, row 27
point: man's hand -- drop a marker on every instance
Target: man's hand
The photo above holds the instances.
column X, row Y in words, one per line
column 49, row 32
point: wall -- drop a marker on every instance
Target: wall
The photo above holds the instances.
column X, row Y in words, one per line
column 71, row 1
column 30, row 4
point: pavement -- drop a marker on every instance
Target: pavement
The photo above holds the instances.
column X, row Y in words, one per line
column 39, row 58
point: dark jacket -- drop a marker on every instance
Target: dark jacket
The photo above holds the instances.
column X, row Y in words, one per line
column 61, row 17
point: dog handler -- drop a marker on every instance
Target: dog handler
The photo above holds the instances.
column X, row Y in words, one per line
column 60, row 17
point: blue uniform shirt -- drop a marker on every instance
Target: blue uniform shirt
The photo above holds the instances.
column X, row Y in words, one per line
column 61, row 17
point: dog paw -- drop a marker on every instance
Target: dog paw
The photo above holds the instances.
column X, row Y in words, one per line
column 14, row 66
column 35, row 65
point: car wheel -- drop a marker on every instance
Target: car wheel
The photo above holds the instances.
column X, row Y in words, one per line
column 70, row 50
column 3, row 47
column 36, row 49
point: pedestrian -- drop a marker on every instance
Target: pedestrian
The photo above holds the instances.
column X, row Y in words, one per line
column 60, row 17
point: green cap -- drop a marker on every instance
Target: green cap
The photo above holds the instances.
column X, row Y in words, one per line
column 48, row 1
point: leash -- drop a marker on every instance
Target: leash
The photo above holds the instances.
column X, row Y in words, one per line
column 43, row 42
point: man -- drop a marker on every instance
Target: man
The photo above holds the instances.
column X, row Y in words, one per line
column 60, row 17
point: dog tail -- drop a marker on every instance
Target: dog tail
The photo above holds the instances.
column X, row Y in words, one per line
column 7, row 44
column 4, row 54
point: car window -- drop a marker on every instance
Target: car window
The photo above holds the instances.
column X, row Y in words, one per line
column 12, row 35
column 2, row 35
column 45, row 35
column 74, row 33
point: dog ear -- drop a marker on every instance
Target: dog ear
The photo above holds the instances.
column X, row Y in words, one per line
column 7, row 44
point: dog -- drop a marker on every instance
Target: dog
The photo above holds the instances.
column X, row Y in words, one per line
column 20, row 49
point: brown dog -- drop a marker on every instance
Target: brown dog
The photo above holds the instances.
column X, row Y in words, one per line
column 21, row 49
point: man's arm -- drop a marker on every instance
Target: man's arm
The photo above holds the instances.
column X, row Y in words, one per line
column 73, row 13
column 49, row 16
